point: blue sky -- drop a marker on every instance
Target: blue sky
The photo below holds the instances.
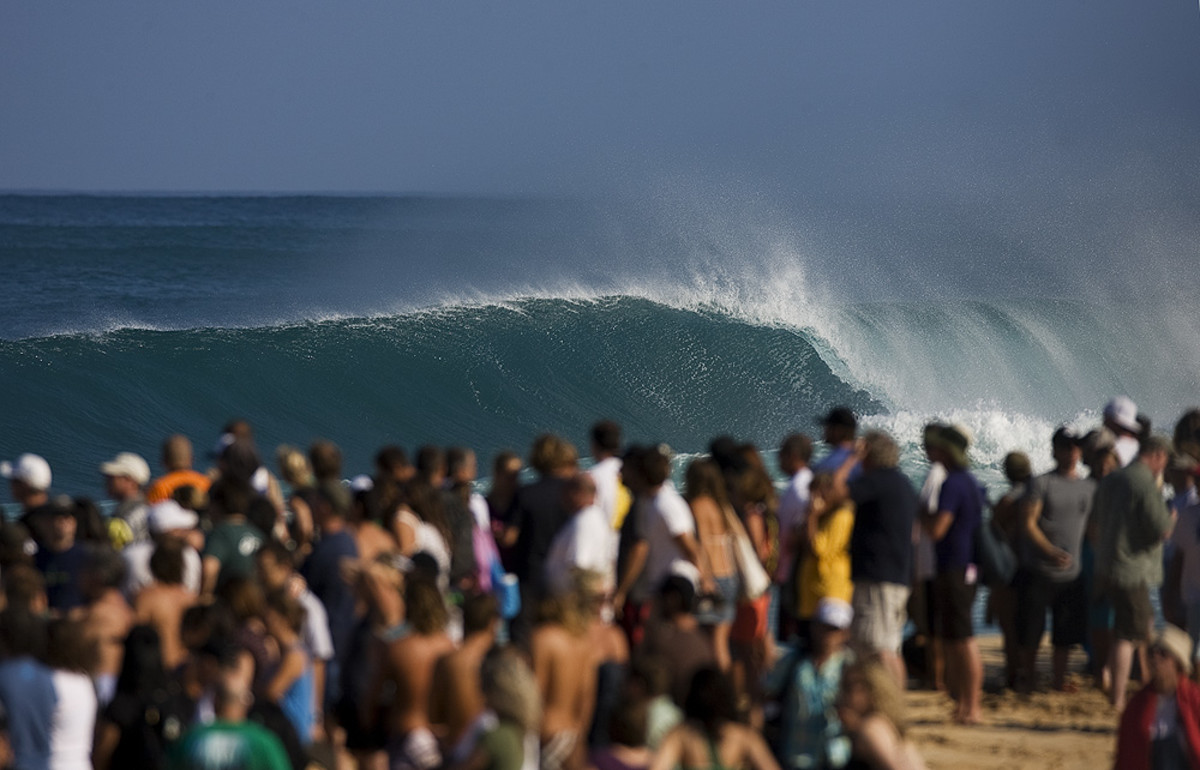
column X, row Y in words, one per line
column 800, row 97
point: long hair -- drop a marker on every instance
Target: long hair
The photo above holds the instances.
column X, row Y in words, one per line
column 710, row 701
column 510, row 689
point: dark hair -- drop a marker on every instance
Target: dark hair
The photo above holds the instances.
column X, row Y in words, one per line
column 797, row 445
column 456, row 459
column 292, row 612
column 656, row 466
column 22, row 585
column 326, row 460
column 390, row 459
column 206, row 621
column 677, row 595
column 277, row 551
column 15, row 546
column 106, row 567
column 726, row 453
column 262, row 514
column 240, row 461
column 229, row 496
column 606, row 435
column 710, row 701
column 479, row 611
column 244, row 597
column 704, row 479
column 431, row 460
column 69, row 647
column 142, row 672
column 90, row 527
column 628, row 722
column 167, row 562
column 22, row 633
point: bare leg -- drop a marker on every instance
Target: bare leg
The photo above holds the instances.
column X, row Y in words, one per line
column 1120, row 661
column 970, row 708
column 895, row 666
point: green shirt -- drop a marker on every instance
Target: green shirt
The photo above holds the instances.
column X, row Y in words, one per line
column 234, row 543
column 229, row 746
column 1131, row 521
column 505, row 746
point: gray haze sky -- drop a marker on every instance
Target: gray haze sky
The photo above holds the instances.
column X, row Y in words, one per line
column 806, row 97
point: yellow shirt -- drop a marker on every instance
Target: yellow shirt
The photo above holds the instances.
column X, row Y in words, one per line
column 826, row 568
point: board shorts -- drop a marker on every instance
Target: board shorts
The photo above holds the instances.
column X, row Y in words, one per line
column 953, row 599
column 1066, row 601
column 880, row 612
column 1132, row 613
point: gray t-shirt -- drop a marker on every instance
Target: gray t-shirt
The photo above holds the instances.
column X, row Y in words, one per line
column 1066, row 504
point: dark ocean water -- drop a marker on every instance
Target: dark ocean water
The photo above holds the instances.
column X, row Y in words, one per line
column 485, row 322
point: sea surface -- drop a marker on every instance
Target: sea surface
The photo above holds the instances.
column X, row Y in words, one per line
column 483, row 322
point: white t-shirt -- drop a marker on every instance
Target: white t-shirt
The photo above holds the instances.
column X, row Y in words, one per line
column 73, row 727
column 607, row 476
column 931, row 490
column 793, row 508
column 661, row 519
column 137, row 568
column 479, row 509
column 584, row 542
column 315, row 632
column 1127, row 448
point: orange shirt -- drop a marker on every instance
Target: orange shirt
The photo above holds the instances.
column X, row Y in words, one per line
column 163, row 488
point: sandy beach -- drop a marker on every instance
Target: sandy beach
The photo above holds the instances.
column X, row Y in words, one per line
column 1044, row 730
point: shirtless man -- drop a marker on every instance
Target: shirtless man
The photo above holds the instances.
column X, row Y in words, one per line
column 162, row 603
column 456, row 703
column 106, row 617
column 564, row 664
column 407, row 666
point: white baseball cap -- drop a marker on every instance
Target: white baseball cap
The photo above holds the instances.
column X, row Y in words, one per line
column 30, row 469
column 127, row 464
column 169, row 515
column 1123, row 412
column 834, row 612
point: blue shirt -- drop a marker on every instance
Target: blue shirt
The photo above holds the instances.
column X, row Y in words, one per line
column 28, row 697
column 834, row 460
column 961, row 497
column 323, row 571
column 812, row 733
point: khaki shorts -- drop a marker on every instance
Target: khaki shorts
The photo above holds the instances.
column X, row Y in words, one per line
column 879, row 616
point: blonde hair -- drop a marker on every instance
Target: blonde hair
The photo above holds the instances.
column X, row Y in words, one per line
column 552, row 453
column 293, row 465
column 510, row 689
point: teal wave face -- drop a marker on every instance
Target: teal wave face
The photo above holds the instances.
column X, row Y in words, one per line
column 489, row 377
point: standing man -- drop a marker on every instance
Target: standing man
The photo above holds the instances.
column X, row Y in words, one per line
column 1053, row 518
column 952, row 528
column 124, row 477
column 29, row 482
column 1121, row 417
column 795, row 453
column 881, row 550
column 1132, row 520
column 839, row 427
column 612, row 497
column 664, row 533
column 177, row 458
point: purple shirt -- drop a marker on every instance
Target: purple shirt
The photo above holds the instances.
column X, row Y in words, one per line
column 960, row 496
